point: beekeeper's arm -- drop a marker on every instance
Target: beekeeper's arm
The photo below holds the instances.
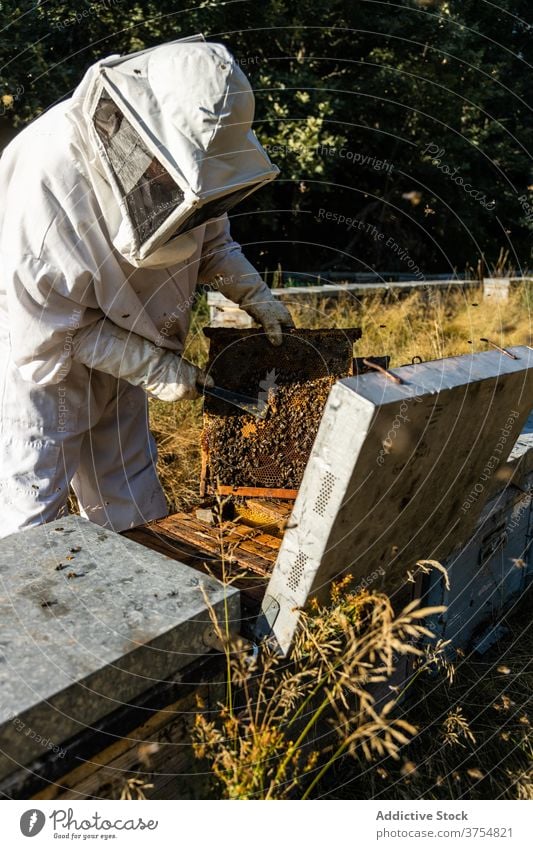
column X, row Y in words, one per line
column 44, row 316
column 163, row 374
column 224, row 266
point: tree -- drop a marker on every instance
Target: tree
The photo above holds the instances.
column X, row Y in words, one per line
column 412, row 119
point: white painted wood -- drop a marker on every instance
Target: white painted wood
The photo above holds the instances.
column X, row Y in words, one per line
column 496, row 288
column 226, row 313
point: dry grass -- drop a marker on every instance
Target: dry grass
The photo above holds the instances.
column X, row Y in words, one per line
column 475, row 737
column 429, row 325
column 177, row 428
column 286, row 722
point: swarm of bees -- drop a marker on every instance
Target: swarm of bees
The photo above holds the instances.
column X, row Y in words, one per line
column 244, row 451
column 293, row 381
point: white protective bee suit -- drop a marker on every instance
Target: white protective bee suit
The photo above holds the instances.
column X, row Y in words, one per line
column 113, row 209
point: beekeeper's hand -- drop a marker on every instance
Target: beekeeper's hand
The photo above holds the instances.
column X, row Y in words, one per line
column 172, row 378
column 162, row 373
column 272, row 315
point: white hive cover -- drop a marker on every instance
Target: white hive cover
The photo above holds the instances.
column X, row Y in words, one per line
column 398, row 473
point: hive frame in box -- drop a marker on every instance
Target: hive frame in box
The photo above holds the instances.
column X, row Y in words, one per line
column 397, row 474
column 244, row 361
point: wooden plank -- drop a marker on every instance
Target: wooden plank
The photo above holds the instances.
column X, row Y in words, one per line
column 250, row 580
column 243, row 538
column 184, row 528
column 248, row 545
column 249, row 555
column 204, row 539
column 73, row 780
column 263, row 539
column 257, row 491
column 172, row 547
column 276, row 509
column 204, row 471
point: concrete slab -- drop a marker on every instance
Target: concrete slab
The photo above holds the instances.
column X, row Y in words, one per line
column 88, row 621
column 398, row 473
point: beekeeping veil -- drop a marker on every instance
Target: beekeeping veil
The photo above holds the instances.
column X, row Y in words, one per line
column 170, row 145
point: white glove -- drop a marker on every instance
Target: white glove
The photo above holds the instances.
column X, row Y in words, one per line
column 272, row 315
column 163, row 374
column 175, row 379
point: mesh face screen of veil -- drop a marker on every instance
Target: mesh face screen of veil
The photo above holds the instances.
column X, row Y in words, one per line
column 150, row 193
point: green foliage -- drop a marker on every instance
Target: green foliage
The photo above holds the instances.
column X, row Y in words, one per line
column 340, row 87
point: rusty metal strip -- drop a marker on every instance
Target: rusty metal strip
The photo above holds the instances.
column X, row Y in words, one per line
column 499, row 348
column 384, row 371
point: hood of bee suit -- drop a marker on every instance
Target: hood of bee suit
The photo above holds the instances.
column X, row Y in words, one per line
column 168, row 145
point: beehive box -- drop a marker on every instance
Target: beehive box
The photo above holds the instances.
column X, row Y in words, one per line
column 399, row 472
column 247, row 456
column 100, row 658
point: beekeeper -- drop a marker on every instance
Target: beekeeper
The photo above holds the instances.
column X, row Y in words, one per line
column 114, row 208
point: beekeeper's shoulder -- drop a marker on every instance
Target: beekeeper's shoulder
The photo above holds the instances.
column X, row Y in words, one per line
column 40, row 180
column 45, row 152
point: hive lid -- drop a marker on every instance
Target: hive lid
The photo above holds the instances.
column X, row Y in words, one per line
column 397, row 473
column 90, row 620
